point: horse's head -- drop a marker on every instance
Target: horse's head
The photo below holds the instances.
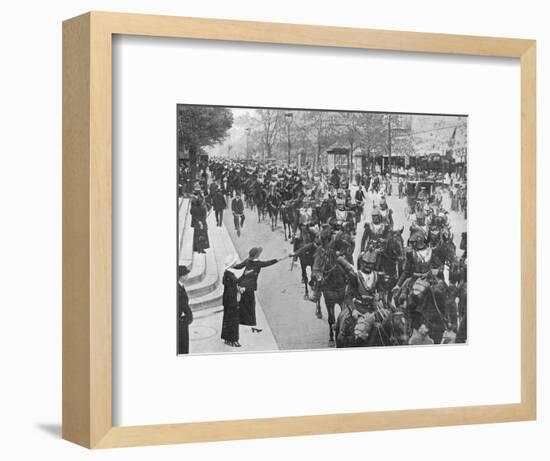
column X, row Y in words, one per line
column 396, row 326
column 395, row 245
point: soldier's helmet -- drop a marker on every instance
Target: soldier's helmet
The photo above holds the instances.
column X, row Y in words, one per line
column 418, row 240
column 438, row 221
column 376, row 216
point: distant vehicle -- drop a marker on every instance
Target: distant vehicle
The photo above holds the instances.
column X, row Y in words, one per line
column 419, row 193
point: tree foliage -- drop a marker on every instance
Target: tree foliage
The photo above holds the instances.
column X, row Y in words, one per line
column 200, row 126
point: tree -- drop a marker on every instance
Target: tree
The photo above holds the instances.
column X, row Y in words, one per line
column 271, row 122
column 351, row 124
column 372, row 133
column 200, row 126
column 316, row 131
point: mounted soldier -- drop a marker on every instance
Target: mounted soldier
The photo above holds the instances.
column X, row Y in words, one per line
column 386, row 212
column 375, row 232
column 439, row 232
column 418, row 226
column 361, row 303
column 342, row 215
column 422, row 291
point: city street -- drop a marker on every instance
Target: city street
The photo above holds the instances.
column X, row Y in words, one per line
column 280, row 291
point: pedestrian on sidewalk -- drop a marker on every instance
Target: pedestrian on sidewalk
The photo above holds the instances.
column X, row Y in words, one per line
column 219, row 204
column 230, row 300
column 185, row 314
column 248, row 282
column 237, row 207
column 198, row 223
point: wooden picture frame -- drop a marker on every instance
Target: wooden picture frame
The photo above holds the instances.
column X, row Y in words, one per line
column 87, row 220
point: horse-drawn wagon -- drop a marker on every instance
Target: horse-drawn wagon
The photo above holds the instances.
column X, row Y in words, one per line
column 420, row 193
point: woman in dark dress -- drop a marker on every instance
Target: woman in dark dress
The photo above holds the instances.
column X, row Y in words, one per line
column 231, row 295
column 249, row 283
column 198, row 223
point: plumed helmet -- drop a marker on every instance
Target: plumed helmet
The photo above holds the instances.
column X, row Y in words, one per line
column 376, row 212
column 418, row 237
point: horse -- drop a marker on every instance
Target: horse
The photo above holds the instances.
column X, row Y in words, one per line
column 259, row 199
column 445, row 251
column 288, row 215
column 389, row 260
column 459, row 292
column 306, row 257
column 273, row 203
column 326, row 211
column 428, row 301
column 388, row 329
column 327, row 273
column 353, row 327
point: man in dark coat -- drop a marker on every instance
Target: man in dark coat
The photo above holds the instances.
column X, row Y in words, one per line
column 237, row 207
column 219, row 204
column 185, row 315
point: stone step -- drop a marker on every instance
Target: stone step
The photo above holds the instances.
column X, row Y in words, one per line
column 207, row 301
column 198, row 269
column 220, row 246
column 185, row 237
column 211, row 278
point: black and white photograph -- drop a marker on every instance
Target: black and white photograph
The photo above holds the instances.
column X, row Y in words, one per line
column 305, row 229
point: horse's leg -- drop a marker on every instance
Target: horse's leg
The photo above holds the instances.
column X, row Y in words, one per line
column 318, row 312
column 304, row 278
column 331, row 321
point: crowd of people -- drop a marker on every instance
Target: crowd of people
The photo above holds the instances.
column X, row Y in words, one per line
column 389, row 291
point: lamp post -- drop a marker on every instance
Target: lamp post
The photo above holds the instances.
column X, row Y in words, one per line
column 288, row 117
column 247, row 132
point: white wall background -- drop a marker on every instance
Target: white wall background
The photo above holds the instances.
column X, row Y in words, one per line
column 30, row 231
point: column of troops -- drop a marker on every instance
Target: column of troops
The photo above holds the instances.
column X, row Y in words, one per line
column 393, row 292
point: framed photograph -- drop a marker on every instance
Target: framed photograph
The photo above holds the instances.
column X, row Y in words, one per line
column 274, row 230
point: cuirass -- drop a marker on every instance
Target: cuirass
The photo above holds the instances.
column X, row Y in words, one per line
column 422, row 260
column 366, row 283
column 341, row 215
column 377, row 230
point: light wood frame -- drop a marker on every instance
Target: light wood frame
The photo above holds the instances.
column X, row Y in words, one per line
column 87, row 220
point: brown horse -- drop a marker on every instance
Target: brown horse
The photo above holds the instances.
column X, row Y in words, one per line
column 329, row 280
column 259, row 198
column 273, row 207
column 388, row 329
column 389, row 260
column 428, row 301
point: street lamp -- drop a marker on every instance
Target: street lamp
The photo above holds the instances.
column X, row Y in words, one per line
column 288, row 117
column 247, row 131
